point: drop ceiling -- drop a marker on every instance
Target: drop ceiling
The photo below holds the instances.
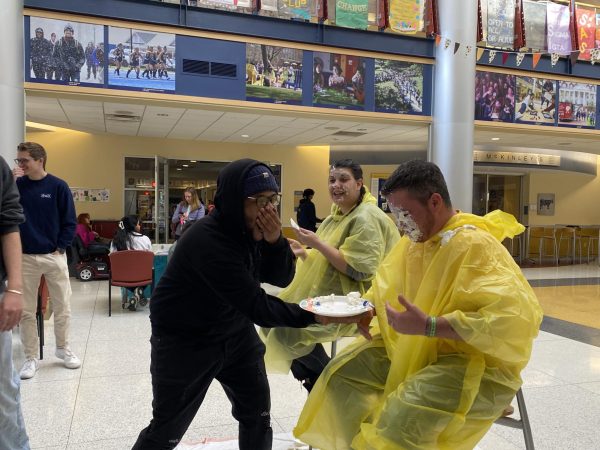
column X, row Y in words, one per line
column 137, row 117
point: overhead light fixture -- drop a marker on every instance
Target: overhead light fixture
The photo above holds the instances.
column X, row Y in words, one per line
column 40, row 126
column 185, row 165
column 193, row 160
column 245, row 135
column 179, row 168
column 495, row 139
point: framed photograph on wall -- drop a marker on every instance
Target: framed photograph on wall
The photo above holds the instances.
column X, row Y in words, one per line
column 398, row 86
column 273, row 74
column 377, row 181
column 338, row 81
column 66, row 52
column 141, row 60
column 545, row 204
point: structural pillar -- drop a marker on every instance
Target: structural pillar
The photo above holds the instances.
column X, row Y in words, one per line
column 451, row 143
column 12, row 94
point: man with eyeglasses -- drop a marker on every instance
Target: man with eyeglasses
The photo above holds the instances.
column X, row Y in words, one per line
column 205, row 306
column 46, row 234
column 456, row 322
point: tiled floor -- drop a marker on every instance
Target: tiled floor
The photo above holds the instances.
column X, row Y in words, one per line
column 103, row 405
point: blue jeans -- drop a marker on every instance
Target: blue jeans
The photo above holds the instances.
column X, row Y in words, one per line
column 12, row 428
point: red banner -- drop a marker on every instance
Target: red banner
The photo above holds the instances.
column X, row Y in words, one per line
column 586, row 31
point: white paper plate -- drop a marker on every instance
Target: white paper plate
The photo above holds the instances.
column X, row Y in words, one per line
column 294, row 225
column 336, row 306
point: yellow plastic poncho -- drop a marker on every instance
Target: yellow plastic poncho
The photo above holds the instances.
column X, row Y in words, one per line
column 414, row 392
column 364, row 236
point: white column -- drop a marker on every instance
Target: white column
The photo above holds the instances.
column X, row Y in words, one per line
column 12, row 95
column 451, row 146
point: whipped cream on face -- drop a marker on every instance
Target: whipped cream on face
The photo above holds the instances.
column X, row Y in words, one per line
column 406, row 223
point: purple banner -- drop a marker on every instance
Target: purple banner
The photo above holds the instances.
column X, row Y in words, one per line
column 559, row 35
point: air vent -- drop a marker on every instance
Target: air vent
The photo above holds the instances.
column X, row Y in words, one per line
column 122, row 117
column 196, row 67
column 223, row 70
column 216, row 69
column 349, row 133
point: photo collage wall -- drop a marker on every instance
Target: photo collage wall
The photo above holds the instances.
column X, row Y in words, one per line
column 77, row 53
column 531, row 100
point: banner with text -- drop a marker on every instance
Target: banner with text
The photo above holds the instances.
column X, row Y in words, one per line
column 559, row 35
column 406, row 16
column 352, row 13
column 501, row 23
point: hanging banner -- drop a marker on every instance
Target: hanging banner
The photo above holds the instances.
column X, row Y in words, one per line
column 559, row 36
column 352, row 13
column 586, row 31
column 535, row 24
column 268, row 5
column 597, row 30
column 294, row 9
column 406, row 16
column 500, row 23
column 484, row 19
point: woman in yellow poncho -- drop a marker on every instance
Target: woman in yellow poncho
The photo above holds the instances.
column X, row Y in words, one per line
column 345, row 253
column 445, row 361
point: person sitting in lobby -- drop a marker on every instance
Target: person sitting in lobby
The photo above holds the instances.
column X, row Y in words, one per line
column 128, row 236
column 344, row 255
column 456, row 320
column 91, row 240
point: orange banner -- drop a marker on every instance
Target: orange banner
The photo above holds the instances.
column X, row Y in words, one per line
column 586, row 31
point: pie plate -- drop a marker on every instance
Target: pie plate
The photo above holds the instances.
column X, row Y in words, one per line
column 336, row 306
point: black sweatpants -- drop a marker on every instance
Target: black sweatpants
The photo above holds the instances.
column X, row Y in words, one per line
column 182, row 371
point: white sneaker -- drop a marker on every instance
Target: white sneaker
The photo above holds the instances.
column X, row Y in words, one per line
column 71, row 361
column 29, row 369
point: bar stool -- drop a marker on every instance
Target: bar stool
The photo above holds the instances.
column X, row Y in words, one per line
column 545, row 239
column 566, row 235
column 588, row 237
column 522, row 423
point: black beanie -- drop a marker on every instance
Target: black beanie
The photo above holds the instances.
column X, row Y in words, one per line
column 259, row 179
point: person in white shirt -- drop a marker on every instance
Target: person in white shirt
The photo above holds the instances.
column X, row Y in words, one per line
column 128, row 236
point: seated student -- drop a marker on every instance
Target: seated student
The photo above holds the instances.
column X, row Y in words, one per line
column 128, row 236
column 343, row 257
column 445, row 357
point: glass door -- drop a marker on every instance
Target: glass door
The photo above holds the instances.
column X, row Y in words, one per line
column 491, row 192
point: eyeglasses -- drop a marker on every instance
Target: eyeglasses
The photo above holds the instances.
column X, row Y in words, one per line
column 262, row 200
column 20, row 161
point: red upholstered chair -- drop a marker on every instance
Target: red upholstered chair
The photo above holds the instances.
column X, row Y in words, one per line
column 129, row 269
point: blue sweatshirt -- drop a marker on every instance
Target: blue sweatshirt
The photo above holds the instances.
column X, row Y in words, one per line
column 49, row 213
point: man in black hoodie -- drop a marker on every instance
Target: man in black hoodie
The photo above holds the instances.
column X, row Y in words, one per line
column 205, row 306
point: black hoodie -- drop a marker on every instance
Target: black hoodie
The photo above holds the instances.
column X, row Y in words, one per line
column 211, row 287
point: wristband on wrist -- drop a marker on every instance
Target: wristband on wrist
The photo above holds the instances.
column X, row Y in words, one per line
column 15, row 291
column 430, row 326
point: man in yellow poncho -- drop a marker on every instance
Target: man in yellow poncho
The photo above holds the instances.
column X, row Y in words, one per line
column 445, row 357
column 345, row 253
